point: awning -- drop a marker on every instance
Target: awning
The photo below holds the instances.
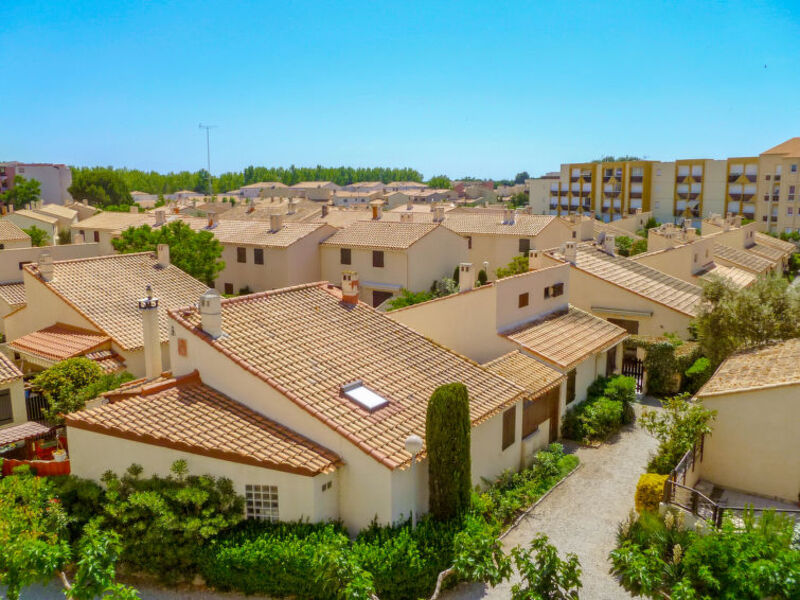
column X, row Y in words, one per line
column 25, row 431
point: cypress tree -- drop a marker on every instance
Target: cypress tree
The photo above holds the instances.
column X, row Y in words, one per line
column 447, row 439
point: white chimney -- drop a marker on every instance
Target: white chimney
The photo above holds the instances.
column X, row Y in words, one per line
column 508, row 216
column 211, row 313
column 534, row 260
column 134, row 209
column 292, row 206
column 46, row 268
column 609, row 244
column 275, row 223
column 438, row 214
column 466, row 278
column 77, row 238
column 349, row 287
column 151, row 336
column 160, row 218
column 571, row 252
column 691, row 234
column 162, row 251
column 737, row 221
column 251, row 207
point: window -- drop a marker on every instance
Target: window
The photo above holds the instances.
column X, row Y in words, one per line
column 547, row 291
column 522, row 300
column 630, row 326
column 574, row 234
column 695, row 257
column 571, row 376
column 788, row 210
column 558, row 289
column 469, row 242
column 524, row 246
column 241, row 255
column 96, row 236
column 327, row 486
column 83, row 233
column 363, row 396
column 794, row 168
column 6, row 414
column 767, row 177
column 229, row 288
column 509, row 426
column 23, row 263
column 344, row 256
column 261, row 502
column 258, row 256
column 377, row 258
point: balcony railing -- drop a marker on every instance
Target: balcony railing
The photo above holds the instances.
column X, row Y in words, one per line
column 681, row 178
column 636, row 178
column 777, row 177
column 751, row 178
column 734, row 177
column 574, row 178
column 636, row 194
column 697, row 178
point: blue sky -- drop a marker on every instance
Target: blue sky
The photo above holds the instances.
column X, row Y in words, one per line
column 463, row 88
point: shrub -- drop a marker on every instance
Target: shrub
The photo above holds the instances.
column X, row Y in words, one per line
column 608, row 406
column 82, row 499
column 650, row 491
column 482, row 277
column 545, row 575
column 447, row 439
column 697, row 375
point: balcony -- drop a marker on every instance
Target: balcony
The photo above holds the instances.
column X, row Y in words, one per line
column 697, row 178
column 587, row 206
column 734, row 177
column 747, row 197
column 587, row 178
column 636, row 195
column 636, row 179
column 574, row 178
column 563, row 193
column 777, row 177
column 751, row 178
column 681, row 178
column 553, row 206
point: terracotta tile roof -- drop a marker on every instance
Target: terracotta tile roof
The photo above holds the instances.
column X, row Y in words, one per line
column 184, row 414
column 8, row 370
column 59, row 211
column 11, row 232
column 116, row 222
column 305, row 343
column 738, row 277
column 303, row 185
column 60, row 341
column 108, row 360
column 106, row 289
column 258, row 233
column 268, row 185
column 768, row 240
column 769, row 252
column 789, row 148
column 533, row 375
column 601, row 227
column 638, row 278
column 380, row 234
column 567, row 337
column 13, row 293
column 492, row 224
column 24, row 212
column 743, row 258
column 24, row 431
column 772, row 365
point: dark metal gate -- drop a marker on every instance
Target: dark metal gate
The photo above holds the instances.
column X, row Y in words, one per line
column 633, row 367
column 34, row 403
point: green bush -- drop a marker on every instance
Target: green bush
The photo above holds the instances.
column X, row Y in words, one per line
column 608, row 406
column 649, row 491
column 82, row 499
column 697, row 375
column 447, row 439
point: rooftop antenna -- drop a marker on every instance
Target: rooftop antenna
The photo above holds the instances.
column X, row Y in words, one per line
column 208, row 154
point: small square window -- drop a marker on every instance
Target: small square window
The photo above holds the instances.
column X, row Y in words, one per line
column 523, row 300
column 345, row 256
column 258, row 256
column 794, row 168
column 547, row 292
column 261, row 502
column 767, row 177
column 377, row 258
column 241, row 255
column 524, row 245
column 574, row 234
column 558, row 289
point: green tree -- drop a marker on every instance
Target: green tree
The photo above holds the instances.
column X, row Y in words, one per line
column 521, row 177
column 24, row 192
column 545, row 576
column 733, row 318
column 677, row 428
column 100, row 186
column 519, row 264
column 203, row 182
column 520, row 199
column 482, row 277
column 33, row 547
column 64, row 236
column 196, row 252
column 440, row 182
column 38, row 236
column 447, row 439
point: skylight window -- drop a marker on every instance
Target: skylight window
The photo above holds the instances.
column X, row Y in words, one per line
column 363, row 396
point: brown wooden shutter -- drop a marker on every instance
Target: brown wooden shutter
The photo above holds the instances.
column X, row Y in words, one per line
column 509, row 426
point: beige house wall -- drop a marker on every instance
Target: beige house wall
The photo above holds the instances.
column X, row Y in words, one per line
column 18, row 413
column 755, row 446
column 662, row 191
column 10, row 259
column 390, row 278
column 25, row 222
column 508, row 314
column 682, row 261
column 14, row 245
column 434, row 256
column 299, row 496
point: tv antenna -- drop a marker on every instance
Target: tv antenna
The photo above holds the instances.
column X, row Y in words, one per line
column 208, row 129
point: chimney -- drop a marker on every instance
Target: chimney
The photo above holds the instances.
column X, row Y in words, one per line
column 508, row 216
column 691, row 234
column 275, row 223
column 325, row 210
column 466, row 278
column 737, row 221
column 85, row 202
column 211, row 313
column 10, row 208
column 410, row 204
column 292, row 206
column 213, row 220
column 438, row 214
column 609, row 244
column 162, row 251
column 176, row 210
column 534, row 260
column 151, row 336
column 77, row 238
column 349, row 287
column 160, row 218
column 406, row 217
column 134, row 209
column 377, row 211
column 251, row 206
column 570, row 252
column 46, row 268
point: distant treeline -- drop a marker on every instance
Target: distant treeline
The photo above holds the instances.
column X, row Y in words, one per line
column 167, row 183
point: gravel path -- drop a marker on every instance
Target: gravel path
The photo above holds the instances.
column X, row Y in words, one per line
column 582, row 514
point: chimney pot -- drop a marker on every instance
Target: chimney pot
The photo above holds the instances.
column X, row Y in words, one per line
column 151, row 336
column 410, row 204
column 275, row 223
column 325, row 210
column 162, row 251
column 210, row 307
column 46, row 267
column 508, row 216
column 466, row 279
column 609, row 244
column 377, row 212
column 160, row 218
column 438, row 214
column 350, row 287
column 571, row 252
column 534, row 260
column 691, row 234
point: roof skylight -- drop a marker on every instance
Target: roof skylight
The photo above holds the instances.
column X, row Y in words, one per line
column 363, row 396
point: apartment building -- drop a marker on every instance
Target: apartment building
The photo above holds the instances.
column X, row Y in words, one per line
column 305, row 398
column 764, row 188
column 392, row 255
column 54, row 179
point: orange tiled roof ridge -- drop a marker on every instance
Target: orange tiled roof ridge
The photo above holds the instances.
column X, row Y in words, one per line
column 306, row 343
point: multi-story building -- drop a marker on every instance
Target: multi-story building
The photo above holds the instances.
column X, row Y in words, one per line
column 763, row 188
column 54, row 179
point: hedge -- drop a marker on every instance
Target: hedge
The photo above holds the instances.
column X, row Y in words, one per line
column 609, row 406
column 650, row 492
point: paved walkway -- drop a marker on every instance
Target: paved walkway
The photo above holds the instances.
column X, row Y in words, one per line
column 582, row 514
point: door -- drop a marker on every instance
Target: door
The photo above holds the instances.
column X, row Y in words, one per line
column 552, row 400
